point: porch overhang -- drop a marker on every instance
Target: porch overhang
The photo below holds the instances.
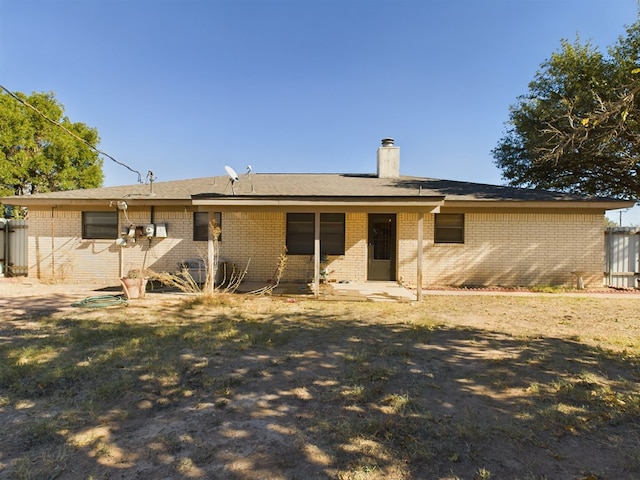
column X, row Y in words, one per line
column 326, row 204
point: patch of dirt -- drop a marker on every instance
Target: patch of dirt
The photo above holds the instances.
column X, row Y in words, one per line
column 457, row 387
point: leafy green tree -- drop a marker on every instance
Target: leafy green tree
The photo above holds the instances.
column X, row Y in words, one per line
column 39, row 154
column 578, row 128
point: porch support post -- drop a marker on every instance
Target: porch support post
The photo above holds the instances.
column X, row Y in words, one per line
column 419, row 254
column 210, row 260
column 316, row 255
column 53, row 244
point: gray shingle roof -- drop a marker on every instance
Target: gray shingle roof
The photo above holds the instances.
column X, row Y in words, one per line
column 261, row 185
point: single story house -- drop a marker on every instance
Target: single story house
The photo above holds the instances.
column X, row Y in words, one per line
column 336, row 227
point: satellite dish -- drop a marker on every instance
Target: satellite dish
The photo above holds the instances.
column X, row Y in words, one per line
column 233, row 177
column 249, row 169
column 232, row 173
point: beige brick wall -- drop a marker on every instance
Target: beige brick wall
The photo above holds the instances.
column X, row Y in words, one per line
column 257, row 239
column 58, row 252
column 352, row 265
column 499, row 249
column 509, row 249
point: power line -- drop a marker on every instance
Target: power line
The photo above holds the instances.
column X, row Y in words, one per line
column 25, row 103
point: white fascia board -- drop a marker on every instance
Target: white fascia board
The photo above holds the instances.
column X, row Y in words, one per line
column 552, row 204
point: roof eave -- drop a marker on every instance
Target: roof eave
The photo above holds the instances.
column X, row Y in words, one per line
column 597, row 204
column 27, row 201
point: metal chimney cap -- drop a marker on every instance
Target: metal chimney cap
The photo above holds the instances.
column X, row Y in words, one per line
column 387, row 142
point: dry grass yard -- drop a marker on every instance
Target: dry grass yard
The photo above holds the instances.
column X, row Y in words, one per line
column 245, row 388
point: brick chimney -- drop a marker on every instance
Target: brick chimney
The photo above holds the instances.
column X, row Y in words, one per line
column 388, row 159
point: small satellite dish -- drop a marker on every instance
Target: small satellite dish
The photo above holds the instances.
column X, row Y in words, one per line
column 249, row 169
column 233, row 177
column 232, row 173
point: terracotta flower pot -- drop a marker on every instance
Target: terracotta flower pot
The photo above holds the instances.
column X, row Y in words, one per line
column 134, row 287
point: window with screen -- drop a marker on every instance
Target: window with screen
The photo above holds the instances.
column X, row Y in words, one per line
column 301, row 233
column 449, row 228
column 201, row 225
column 100, row 225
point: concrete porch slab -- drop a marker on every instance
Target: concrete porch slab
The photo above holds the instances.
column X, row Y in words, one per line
column 352, row 291
column 372, row 291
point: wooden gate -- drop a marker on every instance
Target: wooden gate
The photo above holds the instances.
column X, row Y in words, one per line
column 13, row 247
column 622, row 246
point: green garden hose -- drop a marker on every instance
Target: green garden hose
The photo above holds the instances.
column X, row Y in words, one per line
column 101, row 301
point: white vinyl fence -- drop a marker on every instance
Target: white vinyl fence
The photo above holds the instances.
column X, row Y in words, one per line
column 622, row 246
column 13, row 247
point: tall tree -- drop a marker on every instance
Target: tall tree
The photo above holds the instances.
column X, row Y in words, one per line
column 41, row 150
column 578, row 128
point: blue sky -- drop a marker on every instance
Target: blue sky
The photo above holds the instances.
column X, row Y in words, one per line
column 185, row 87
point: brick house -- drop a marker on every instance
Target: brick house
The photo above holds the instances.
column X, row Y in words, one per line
column 342, row 227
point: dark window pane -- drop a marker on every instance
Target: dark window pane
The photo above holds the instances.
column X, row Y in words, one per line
column 200, row 226
column 301, row 233
column 332, row 233
column 382, row 237
column 449, row 228
column 100, row 225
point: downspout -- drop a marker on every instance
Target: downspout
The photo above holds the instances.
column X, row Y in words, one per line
column 149, row 239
